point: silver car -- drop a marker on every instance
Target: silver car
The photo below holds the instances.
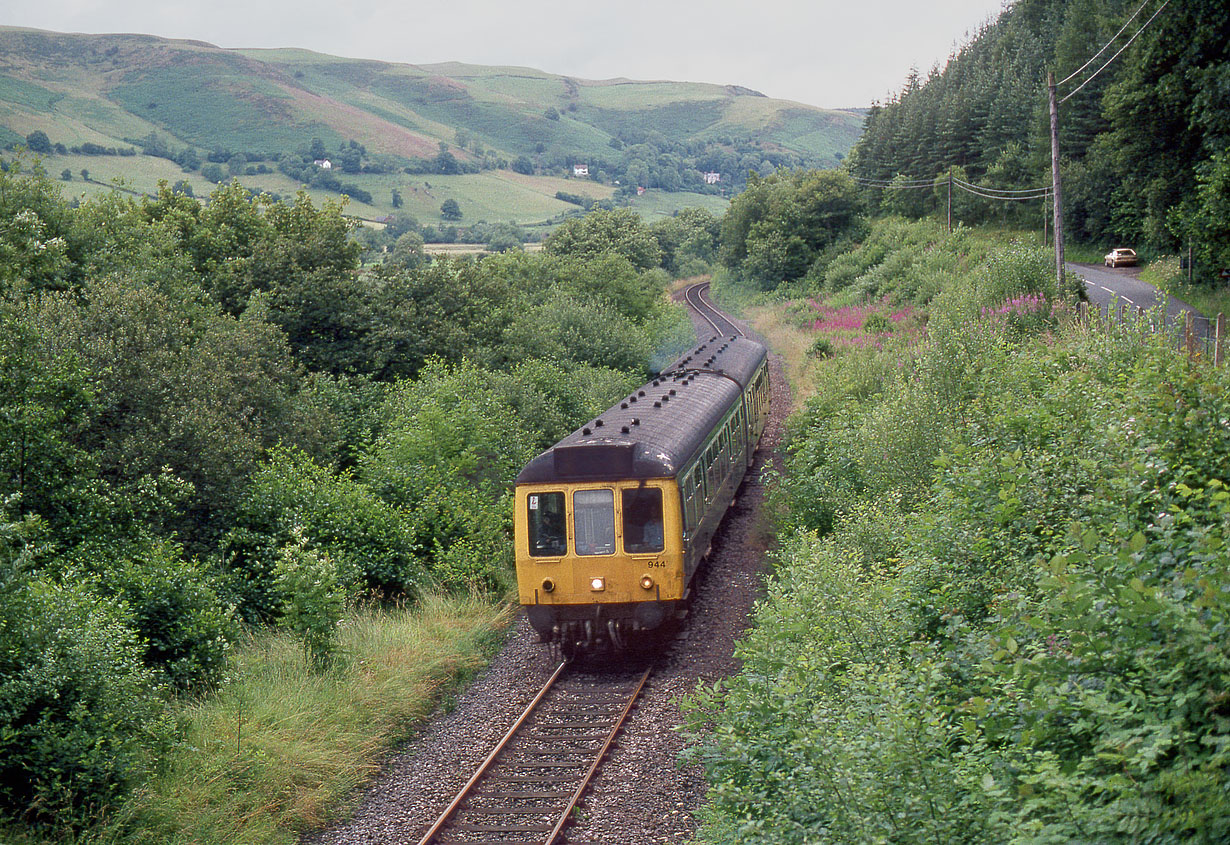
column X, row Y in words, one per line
column 1121, row 257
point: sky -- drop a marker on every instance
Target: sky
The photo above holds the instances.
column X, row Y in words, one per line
column 827, row 53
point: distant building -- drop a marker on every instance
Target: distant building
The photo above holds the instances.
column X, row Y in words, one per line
column 712, row 177
column 580, row 170
column 323, row 164
column 640, row 191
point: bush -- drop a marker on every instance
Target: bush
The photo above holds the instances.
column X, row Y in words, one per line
column 569, row 327
column 81, row 719
column 371, row 542
column 185, row 629
column 1012, row 628
column 821, row 347
column 450, row 446
column 877, row 323
column 313, row 599
column 835, row 730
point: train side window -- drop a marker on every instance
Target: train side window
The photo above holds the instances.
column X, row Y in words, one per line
column 593, row 521
column 710, row 471
column 547, row 524
column 642, row 509
column 689, row 501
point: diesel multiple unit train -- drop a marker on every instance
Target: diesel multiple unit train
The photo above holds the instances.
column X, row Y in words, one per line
column 612, row 522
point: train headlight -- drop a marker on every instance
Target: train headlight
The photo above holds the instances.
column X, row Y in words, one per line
column 646, row 582
column 597, row 584
column 548, row 585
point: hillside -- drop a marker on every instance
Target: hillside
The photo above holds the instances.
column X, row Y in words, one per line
column 512, row 135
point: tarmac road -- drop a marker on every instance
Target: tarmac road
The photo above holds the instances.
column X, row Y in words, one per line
column 1106, row 285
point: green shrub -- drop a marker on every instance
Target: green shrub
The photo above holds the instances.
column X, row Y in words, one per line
column 821, row 347
column 313, row 599
column 172, row 603
column 371, row 542
column 570, row 327
column 81, row 718
column 1118, row 712
column 877, row 323
column 1014, row 627
column 451, row 444
column 835, row 730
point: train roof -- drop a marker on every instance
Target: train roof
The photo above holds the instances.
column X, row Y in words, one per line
column 657, row 429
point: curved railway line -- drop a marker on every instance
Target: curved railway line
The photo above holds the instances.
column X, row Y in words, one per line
column 526, row 789
column 529, row 785
column 695, row 297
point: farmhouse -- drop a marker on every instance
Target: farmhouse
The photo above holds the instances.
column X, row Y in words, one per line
column 712, row 177
column 580, row 170
column 323, row 164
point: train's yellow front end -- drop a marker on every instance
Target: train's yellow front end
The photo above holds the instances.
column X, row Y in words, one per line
column 599, row 561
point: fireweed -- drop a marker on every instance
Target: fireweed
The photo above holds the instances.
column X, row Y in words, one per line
column 1025, row 315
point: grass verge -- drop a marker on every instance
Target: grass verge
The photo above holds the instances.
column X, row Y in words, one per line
column 277, row 751
column 1166, row 274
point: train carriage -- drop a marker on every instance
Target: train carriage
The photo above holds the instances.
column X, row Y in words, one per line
column 612, row 522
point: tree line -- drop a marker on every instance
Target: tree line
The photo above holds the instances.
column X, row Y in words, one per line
column 1143, row 142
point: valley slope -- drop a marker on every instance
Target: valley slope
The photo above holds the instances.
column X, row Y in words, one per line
column 502, row 141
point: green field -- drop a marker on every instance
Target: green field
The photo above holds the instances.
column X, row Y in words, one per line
column 654, row 205
column 491, row 196
column 115, row 90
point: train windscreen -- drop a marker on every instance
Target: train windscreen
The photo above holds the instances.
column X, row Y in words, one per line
column 593, row 516
column 546, row 521
column 643, row 520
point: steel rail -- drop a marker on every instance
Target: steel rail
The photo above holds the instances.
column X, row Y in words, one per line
column 562, row 816
column 465, row 790
column 563, row 819
column 694, row 297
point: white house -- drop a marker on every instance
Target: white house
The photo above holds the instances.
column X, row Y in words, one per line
column 580, row 170
column 323, row 164
column 712, row 177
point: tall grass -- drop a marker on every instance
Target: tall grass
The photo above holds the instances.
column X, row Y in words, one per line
column 277, row 750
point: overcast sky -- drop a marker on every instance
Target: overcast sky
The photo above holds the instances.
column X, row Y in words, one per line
column 829, row 53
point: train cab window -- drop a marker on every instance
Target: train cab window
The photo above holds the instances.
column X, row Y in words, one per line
column 593, row 521
column 643, row 520
column 547, row 524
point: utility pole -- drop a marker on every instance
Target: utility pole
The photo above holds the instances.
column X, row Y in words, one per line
column 1057, row 195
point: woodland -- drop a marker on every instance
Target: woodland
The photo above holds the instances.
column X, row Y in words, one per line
column 1143, row 138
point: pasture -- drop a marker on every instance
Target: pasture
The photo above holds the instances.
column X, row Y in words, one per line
column 492, row 196
column 654, row 205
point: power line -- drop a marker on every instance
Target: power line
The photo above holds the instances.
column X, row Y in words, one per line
column 999, row 190
column 894, row 183
column 1112, row 58
column 1104, row 46
column 1042, row 192
column 1008, row 194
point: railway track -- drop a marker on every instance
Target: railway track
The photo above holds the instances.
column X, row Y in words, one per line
column 528, row 786
column 526, row 789
column 694, row 296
